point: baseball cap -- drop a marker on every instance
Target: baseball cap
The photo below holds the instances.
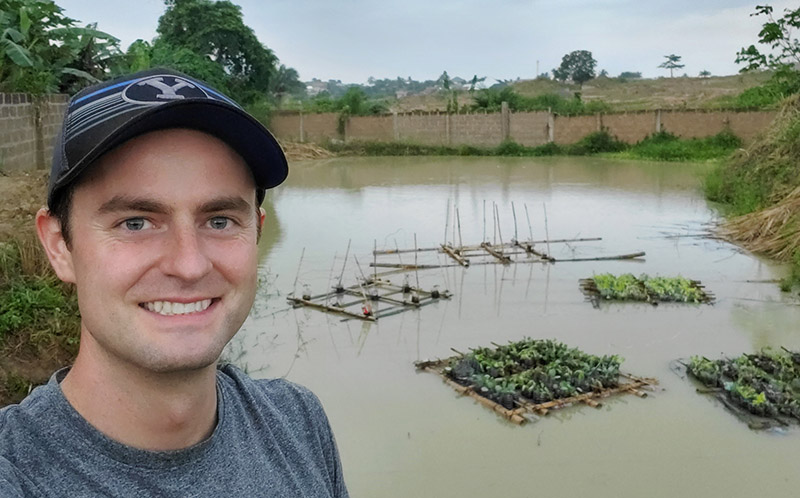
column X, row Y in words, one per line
column 103, row 116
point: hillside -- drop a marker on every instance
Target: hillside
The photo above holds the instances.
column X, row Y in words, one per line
column 624, row 95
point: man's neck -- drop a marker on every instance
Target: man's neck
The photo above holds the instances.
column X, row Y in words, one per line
column 156, row 412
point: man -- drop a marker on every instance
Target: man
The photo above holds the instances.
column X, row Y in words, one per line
column 154, row 214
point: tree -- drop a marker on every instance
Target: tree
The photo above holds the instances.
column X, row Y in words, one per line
column 777, row 34
column 704, row 73
column 216, row 31
column 577, row 66
column 41, row 50
column 476, row 83
column 672, row 62
column 630, row 75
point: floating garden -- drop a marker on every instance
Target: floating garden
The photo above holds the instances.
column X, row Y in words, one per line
column 763, row 388
column 627, row 287
column 533, row 376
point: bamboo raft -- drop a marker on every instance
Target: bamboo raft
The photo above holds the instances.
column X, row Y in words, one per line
column 488, row 253
column 366, row 296
column 527, row 409
column 590, row 290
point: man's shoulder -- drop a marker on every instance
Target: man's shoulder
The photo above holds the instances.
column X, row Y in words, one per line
column 281, row 394
column 30, row 411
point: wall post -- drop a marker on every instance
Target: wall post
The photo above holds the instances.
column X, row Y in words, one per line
column 505, row 122
column 395, row 129
column 447, row 128
column 658, row 121
column 551, row 126
column 302, row 127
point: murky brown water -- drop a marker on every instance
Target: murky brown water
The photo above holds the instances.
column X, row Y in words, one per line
column 403, row 433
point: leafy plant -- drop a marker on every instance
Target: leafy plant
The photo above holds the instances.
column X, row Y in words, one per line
column 538, row 370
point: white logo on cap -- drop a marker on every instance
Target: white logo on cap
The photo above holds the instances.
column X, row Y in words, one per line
column 158, row 90
column 167, row 92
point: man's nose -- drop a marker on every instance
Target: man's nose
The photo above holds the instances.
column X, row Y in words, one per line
column 186, row 256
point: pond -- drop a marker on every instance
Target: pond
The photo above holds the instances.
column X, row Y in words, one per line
column 402, row 433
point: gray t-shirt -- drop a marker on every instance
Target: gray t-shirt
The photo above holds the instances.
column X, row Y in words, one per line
column 272, row 439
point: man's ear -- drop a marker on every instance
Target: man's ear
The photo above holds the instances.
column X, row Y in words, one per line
column 48, row 228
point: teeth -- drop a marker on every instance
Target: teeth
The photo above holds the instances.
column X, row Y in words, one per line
column 168, row 308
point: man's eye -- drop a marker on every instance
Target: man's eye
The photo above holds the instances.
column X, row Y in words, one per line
column 136, row 224
column 219, row 222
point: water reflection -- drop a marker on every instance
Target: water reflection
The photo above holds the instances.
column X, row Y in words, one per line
column 402, row 433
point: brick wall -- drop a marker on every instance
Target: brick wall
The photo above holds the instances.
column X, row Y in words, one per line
column 483, row 130
column 529, row 128
column 286, row 127
column 320, row 128
column 427, row 129
column 630, row 127
column 570, row 129
column 745, row 125
column 27, row 130
column 371, row 128
column 526, row 128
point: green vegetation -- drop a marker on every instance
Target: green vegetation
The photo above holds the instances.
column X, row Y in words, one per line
column 626, row 287
column 672, row 63
column 665, row 146
column 43, row 51
column 762, row 183
column 39, row 318
column 765, row 384
column 660, row 147
column 577, row 66
column 537, row 370
column 490, row 100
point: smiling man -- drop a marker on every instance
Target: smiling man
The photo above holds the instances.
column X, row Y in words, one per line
column 154, row 214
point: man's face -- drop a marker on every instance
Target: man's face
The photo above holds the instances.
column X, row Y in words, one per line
column 164, row 251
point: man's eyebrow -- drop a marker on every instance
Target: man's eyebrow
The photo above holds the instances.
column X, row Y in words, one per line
column 232, row 203
column 125, row 203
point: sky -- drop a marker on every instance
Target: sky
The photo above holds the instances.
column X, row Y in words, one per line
column 351, row 40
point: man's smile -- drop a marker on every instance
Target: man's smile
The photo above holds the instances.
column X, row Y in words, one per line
column 169, row 308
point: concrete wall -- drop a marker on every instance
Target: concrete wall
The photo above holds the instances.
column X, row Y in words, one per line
column 427, row 129
column 745, row 125
column 570, row 129
column 372, row 128
column 27, row 130
column 530, row 128
column 630, row 127
column 526, row 128
column 483, row 130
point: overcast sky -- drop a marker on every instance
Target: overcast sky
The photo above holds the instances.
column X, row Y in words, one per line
column 351, row 40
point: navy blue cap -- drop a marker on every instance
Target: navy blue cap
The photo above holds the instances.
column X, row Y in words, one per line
column 104, row 116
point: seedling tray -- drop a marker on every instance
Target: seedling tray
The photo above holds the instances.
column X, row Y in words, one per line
column 520, row 403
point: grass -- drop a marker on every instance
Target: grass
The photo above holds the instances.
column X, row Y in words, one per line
column 761, row 186
column 39, row 319
column 665, row 146
column 662, row 147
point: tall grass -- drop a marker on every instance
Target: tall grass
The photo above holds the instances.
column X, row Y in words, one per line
column 665, row 146
column 39, row 319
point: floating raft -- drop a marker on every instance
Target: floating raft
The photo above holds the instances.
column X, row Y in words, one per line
column 761, row 389
column 640, row 289
column 362, row 300
column 524, row 408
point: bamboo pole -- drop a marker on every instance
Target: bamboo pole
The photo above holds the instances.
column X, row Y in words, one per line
column 514, row 214
column 344, row 263
column 546, row 230
column 331, row 309
column 294, row 286
column 450, row 252
column 500, row 256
